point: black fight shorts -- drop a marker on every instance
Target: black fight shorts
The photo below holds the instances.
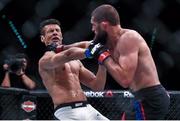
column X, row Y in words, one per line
column 150, row 103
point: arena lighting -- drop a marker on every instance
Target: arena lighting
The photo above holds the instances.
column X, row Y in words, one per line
column 15, row 31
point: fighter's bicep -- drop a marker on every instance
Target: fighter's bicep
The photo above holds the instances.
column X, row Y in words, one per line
column 128, row 61
column 129, row 53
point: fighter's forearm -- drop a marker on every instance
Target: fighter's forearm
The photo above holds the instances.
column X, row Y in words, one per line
column 97, row 83
column 73, row 53
column 117, row 72
column 83, row 44
column 52, row 60
column 101, row 77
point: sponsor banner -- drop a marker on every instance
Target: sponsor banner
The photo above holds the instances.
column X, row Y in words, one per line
column 108, row 94
column 127, row 94
column 94, row 94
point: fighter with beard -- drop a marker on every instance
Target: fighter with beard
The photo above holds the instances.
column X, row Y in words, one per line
column 128, row 59
column 62, row 73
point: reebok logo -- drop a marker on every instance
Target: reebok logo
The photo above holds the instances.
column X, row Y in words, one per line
column 94, row 94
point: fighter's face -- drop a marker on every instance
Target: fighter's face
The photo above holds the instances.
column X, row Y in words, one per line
column 101, row 36
column 94, row 25
column 100, row 33
column 52, row 33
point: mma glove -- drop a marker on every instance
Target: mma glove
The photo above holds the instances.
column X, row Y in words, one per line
column 97, row 51
column 54, row 47
column 89, row 52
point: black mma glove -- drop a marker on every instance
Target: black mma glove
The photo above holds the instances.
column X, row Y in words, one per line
column 54, row 47
column 97, row 51
column 89, row 52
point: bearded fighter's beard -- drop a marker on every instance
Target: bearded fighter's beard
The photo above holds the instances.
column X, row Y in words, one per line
column 101, row 38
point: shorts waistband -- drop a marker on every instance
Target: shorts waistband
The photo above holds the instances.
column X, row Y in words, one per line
column 149, row 90
column 76, row 104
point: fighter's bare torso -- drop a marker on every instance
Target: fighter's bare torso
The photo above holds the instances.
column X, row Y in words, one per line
column 145, row 74
column 63, row 83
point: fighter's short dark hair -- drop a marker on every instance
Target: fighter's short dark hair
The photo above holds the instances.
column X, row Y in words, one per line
column 48, row 22
column 106, row 12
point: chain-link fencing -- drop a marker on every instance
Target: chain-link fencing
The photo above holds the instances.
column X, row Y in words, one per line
column 20, row 104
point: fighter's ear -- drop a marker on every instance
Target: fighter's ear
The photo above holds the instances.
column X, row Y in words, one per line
column 42, row 38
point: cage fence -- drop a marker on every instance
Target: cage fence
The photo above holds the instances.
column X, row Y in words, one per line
column 20, row 104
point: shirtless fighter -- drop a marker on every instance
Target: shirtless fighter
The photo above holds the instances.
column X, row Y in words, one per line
column 62, row 73
column 128, row 59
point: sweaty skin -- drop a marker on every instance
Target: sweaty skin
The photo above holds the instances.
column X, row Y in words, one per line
column 62, row 73
column 131, row 63
column 63, row 83
column 137, row 66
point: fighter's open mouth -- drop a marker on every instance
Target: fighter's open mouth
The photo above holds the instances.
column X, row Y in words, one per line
column 55, row 38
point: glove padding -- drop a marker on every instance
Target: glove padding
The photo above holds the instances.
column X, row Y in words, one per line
column 90, row 51
column 54, row 47
column 97, row 51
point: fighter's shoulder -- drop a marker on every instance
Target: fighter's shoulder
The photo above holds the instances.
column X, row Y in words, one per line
column 131, row 34
column 45, row 56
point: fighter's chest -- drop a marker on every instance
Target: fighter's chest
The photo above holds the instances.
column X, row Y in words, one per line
column 71, row 66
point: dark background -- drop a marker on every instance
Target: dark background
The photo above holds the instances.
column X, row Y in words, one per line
column 158, row 21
